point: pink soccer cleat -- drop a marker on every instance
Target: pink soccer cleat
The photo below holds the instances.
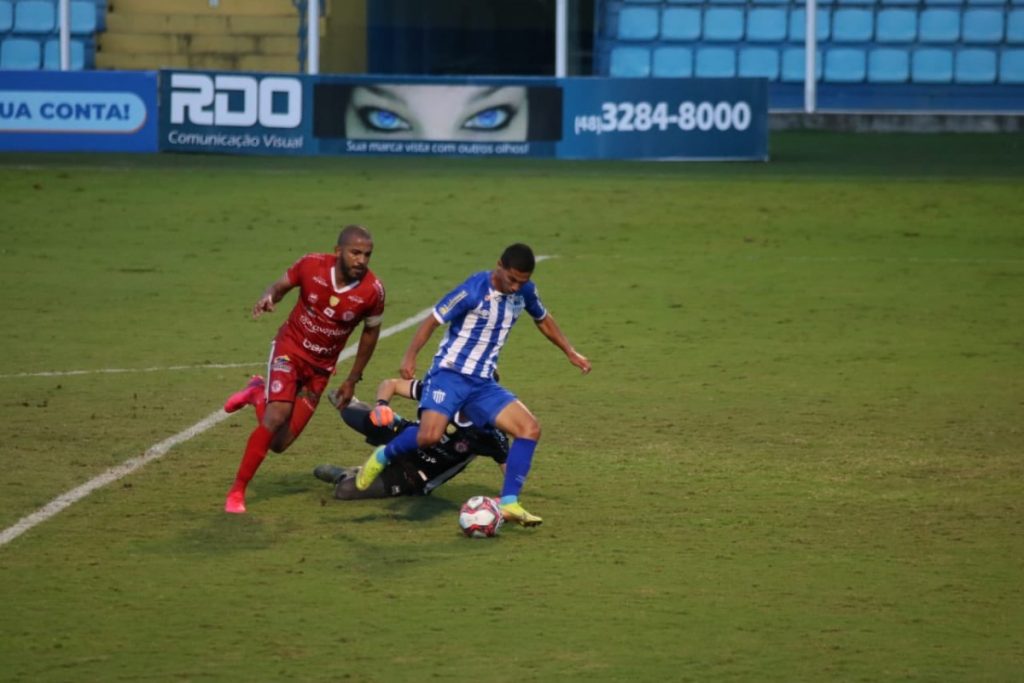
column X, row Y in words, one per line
column 246, row 397
column 235, row 502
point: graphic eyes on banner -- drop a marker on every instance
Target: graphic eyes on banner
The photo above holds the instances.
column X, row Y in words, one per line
column 442, row 112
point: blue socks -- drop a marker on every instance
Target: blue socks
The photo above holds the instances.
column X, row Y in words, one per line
column 520, row 456
column 405, row 442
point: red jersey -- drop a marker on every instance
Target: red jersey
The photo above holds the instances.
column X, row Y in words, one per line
column 327, row 310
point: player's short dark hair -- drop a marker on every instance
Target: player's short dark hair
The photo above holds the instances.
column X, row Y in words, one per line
column 518, row 257
column 353, row 232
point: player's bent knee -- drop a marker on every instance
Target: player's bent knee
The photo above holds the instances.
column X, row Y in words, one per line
column 531, row 431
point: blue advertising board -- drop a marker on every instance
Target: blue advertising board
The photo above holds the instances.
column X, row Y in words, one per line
column 575, row 118
column 234, row 113
column 662, row 118
column 94, row 111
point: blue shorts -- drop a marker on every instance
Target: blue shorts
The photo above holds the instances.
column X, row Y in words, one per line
column 480, row 400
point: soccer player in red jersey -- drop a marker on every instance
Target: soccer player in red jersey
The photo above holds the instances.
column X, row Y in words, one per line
column 336, row 292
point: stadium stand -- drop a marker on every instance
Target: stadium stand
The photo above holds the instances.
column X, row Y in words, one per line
column 876, row 45
column 20, row 54
column 29, row 33
column 259, row 35
column 6, row 17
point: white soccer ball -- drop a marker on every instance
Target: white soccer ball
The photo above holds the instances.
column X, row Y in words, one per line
column 480, row 517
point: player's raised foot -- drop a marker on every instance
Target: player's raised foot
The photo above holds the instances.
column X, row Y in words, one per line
column 247, row 396
column 235, row 503
column 370, row 470
column 514, row 512
column 329, row 473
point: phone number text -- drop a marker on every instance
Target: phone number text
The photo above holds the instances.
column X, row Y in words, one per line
column 641, row 117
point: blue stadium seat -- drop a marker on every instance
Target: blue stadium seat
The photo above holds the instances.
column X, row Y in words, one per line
column 630, row 62
column 638, row 23
column 20, row 53
column 715, row 62
column 727, row 2
column 896, row 26
column 680, row 23
column 939, row 26
column 687, row 2
column 932, row 65
column 975, row 66
column 6, row 16
column 983, row 26
column 759, row 62
column 766, row 25
column 845, row 65
column 34, row 16
column 51, row 55
column 83, row 18
column 675, row 62
column 643, row 1
column 793, row 65
column 942, row 2
column 771, row 2
column 888, row 65
column 1015, row 26
column 798, row 24
column 852, row 26
column 986, row 2
column 1011, row 66
column 723, row 24
column 899, row 2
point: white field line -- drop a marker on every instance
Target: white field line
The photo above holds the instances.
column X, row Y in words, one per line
column 156, row 451
column 209, row 366
column 118, row 371
column 159, row 450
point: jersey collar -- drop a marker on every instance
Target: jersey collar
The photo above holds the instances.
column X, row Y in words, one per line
column 340, row 289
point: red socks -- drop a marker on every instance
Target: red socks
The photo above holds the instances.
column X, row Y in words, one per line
column 255, row 451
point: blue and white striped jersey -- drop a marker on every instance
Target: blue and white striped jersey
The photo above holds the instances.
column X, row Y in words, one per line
column 479, row 319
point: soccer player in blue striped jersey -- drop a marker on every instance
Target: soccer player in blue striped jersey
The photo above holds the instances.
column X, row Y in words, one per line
column 479, row 313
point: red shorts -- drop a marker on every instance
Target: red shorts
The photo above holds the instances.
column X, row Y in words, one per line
column 291, row 377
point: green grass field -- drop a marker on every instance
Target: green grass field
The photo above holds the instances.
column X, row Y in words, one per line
column 798, row 458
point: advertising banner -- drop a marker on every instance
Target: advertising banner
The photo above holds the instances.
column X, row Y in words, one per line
column 93, row 111
column 234, row 113
column 575, row 118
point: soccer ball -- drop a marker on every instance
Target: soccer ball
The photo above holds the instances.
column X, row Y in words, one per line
column 480, row 517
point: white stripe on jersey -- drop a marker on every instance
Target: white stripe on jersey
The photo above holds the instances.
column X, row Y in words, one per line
column 486, row 332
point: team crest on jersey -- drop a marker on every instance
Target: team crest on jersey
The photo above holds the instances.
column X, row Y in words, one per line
column 438, row 395
column 334, row 300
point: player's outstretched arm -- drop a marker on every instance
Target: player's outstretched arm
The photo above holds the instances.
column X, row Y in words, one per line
column 408, row 367
column 382, row 415
column 367, row 344
column 550, row 329
column 271, row 295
